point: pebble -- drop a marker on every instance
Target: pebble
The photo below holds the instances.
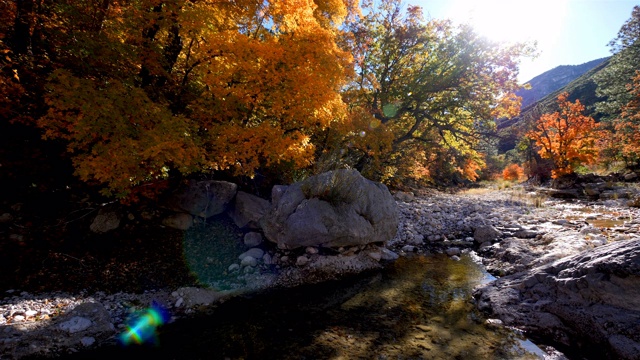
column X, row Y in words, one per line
column 87, row 341
column 302, row 260
column 233, row 267
column 249, row 261
column 453, row 251
column 408, row 248
column 255, row 253
column 253, row 239
column 180, row 301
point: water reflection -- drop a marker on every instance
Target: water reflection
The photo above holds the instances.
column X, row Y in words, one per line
column 418, row 308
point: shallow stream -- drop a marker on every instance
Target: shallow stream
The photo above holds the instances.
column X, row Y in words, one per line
column 417, row 308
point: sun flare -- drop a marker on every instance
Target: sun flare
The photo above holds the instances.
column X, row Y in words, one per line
column 515, row 21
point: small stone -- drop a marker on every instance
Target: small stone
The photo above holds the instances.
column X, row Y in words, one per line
column 18, row 318
column 249, row 261
column 455, row 258
column 179, row 302
column 180, row 221
column 311, row 250
column 453, row 251
column 494, row 322
column 131, row 218
column 87, row 341
column 408, row 248
column 30, row 313
column 6, row 218
column 267, row 260
column 233, row 267
column 302, row 260
column 418, row 239
column 389, row 255
column 375, row 255
column 252, row 239
column 16, row 237
column 255, row 253
column 284, row 259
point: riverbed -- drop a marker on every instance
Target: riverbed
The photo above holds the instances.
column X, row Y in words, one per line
column 419, row 307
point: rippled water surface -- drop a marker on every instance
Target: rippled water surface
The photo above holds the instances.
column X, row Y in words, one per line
column 418, row 308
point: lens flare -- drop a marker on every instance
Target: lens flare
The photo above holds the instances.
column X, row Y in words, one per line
column 142, row 327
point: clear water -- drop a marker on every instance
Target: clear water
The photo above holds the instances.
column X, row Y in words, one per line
column 417, row 308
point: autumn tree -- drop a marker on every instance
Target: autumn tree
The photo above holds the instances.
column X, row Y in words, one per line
column 513, row 172
column 424, row 94
column 139, row 89
column 566, row 137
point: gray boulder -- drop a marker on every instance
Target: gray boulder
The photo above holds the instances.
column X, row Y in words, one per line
column 105, row 221
column 202, row 198
column 589, row 301
column 333, row 209
column 248, row 210
column 485, row 233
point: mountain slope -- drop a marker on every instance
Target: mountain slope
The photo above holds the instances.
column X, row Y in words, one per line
column 553, row 80
column 582, row 88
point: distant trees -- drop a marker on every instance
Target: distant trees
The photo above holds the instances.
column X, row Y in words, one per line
column 566, row 137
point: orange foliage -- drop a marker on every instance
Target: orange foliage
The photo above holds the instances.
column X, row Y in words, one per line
column 195, row 86
column 513, row 172
column 566, row 137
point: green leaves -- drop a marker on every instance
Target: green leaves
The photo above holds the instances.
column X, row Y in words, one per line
column 435, row 87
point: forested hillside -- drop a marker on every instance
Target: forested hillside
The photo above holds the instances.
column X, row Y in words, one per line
column 607, row 94
column 554, row 80
column 582, row 88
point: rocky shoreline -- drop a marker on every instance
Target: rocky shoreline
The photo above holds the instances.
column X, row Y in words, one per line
column 513, row 230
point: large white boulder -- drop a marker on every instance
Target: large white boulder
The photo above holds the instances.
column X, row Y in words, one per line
column 332, row 209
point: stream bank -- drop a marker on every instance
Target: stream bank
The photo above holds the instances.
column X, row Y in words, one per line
column 530, row 230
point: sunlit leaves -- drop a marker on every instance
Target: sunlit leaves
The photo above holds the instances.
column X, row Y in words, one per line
column 435, row 87
column 194, row 85
column 566, row 137
column 116, row 134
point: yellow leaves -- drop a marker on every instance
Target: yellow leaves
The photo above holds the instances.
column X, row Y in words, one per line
column 508, row 106
column 197, row 86
column 244, row 150
column 117, row 135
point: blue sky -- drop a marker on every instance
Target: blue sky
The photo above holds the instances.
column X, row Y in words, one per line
column 568, row 32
